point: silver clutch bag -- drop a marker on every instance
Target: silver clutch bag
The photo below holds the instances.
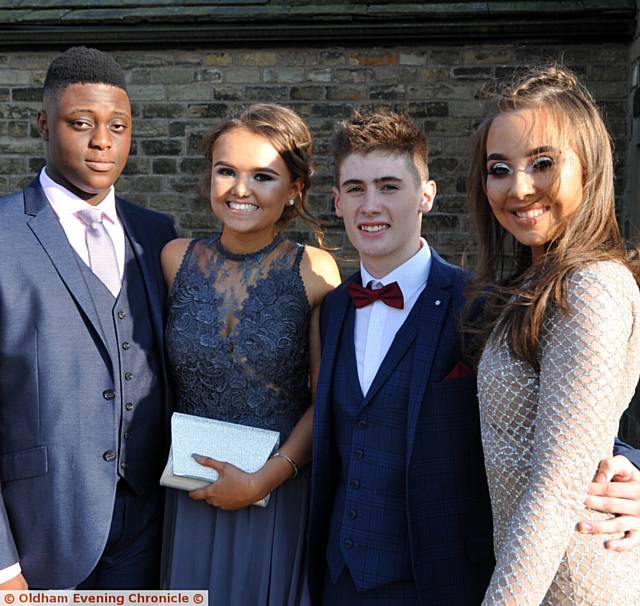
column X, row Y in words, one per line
column 248, row 448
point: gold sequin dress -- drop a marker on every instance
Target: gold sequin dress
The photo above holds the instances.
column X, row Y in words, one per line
column 543, row 434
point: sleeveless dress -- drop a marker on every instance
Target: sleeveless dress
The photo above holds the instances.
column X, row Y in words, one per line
column 543, row 433
column 237, row 342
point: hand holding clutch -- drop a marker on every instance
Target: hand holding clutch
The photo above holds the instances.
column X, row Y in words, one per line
column 247, row 447
column 233, row 489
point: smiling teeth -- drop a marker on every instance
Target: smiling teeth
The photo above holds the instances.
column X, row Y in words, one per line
column 530, row 214
column 373, row 228
column 241, row 206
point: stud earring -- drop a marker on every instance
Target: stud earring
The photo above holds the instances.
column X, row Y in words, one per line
column 291, row 202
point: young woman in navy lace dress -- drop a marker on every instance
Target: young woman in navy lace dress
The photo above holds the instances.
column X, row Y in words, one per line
column 243, row 347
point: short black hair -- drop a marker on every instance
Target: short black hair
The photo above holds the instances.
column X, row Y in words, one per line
column 82, row 65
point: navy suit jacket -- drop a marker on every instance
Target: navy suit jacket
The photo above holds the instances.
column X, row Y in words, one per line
column 447, row 501
column 56, row 490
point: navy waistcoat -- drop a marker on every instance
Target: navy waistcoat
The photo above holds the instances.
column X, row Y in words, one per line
column 369, row 529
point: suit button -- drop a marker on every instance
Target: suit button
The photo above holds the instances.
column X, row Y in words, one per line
column 126, row 345
column 123, row 464
column 353, row 514
column 109, row 456
column 348, row 543
column 122, row 315
column 126, row 435
column 129, row 405
column 108, row 394
column 128, row 376
column 355, row 483
column 362, row 423
column 359, row 453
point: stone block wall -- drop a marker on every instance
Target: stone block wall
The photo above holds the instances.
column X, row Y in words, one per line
column 179, row 95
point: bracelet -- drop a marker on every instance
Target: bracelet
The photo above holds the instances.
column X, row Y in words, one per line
column 288, row 460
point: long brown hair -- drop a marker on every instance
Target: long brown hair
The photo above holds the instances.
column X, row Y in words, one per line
column 513, row 293
column 290, row 136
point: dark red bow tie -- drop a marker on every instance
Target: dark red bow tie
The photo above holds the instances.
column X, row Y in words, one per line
column 389, row 294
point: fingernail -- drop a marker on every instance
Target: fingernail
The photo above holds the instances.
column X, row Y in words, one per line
column 585, row 527
column 196, row 456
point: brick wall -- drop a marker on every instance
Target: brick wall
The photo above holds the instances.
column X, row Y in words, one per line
column 178, row 95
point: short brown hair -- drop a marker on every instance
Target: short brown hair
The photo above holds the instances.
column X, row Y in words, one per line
column 384, row 131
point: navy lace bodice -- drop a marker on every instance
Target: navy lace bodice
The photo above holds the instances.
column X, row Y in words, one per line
column 237, row 334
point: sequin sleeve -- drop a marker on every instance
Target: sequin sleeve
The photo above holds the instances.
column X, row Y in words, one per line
column 588, row 369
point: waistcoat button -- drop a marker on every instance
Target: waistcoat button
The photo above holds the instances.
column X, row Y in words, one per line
column 109, row 456
column 108, row 394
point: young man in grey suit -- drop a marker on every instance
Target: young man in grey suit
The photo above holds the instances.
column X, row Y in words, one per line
column 83, row 397
column 400, row 510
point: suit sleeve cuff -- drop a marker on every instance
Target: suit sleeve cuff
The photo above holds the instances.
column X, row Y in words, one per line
column 622, row 448
column 8, row 573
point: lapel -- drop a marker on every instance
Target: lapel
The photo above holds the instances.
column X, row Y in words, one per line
column 405, row 336
column 433, row 310
column 339, row 301
column 149, row 267
column 46, row 227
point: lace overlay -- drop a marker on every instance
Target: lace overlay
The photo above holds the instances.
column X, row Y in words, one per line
column 237, row 335
column 543, row 435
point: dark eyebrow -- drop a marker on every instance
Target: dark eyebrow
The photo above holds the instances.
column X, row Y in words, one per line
column 386, row 179
column 82, row 110
column 264, row 169
column 545, row 149
column 496, row 157
column 377, row 181
column 351, row 182
column 538, row 151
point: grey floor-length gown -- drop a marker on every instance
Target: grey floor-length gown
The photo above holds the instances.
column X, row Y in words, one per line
column 237, row 340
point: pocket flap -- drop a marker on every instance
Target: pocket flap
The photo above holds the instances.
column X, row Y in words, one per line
column 23, row 464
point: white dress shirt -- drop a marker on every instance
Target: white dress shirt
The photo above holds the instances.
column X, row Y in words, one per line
column 376, row 325
column 66, row 205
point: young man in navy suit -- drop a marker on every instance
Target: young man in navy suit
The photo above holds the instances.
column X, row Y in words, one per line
column 83, row 397
column 400, row 511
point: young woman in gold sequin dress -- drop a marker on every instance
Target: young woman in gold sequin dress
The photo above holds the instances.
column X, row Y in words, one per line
column 561, row 354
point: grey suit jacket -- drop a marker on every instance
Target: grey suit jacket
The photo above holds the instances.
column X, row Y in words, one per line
column 56, row 490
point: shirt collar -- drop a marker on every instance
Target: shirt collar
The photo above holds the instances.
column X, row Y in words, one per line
column 65, row 203
column 410, row 276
